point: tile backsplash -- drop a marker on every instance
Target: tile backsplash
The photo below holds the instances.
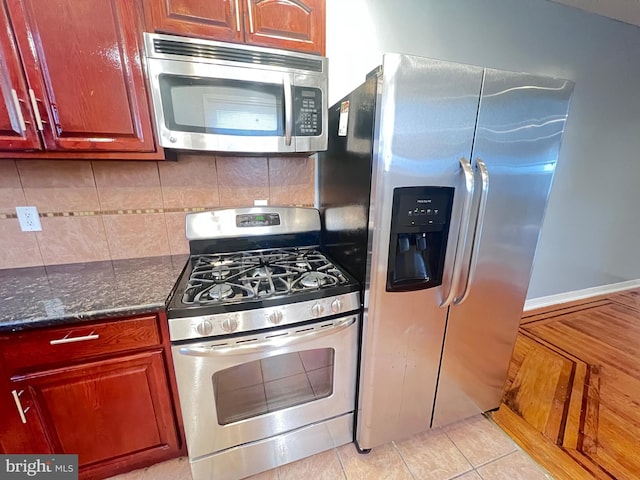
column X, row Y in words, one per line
column 102, row 210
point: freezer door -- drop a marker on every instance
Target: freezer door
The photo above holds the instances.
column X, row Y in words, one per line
column 520, row 126
column 424, row 125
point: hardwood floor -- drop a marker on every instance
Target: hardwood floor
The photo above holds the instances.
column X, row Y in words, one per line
column 572, row 398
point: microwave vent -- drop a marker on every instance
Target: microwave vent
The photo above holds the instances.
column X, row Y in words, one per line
column 228, row 54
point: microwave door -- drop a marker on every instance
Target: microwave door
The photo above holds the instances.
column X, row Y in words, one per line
column 219, row 108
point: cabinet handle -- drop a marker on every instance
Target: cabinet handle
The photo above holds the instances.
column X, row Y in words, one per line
column 237, row 16
column 16, row 104
column 250, row 16
column 67, row 339
column 21, row 411
column 36, row 111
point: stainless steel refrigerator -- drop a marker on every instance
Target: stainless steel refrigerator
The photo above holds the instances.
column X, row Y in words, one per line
column 432, row 191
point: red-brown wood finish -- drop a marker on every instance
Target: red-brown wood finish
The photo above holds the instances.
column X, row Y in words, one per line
column 82, row 60
column 213, row 19
column 105, row 409
column 11, row 78
column 91, row 340
column 111, row 400
column 290, row 24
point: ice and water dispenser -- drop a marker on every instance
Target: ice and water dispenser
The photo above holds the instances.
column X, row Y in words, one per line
column 419, row 230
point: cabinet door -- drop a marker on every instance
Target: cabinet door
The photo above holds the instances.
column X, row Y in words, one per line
column 17, row 128
column 83, row 62
column 212, row 19
column 104, row 410
column 291, row 24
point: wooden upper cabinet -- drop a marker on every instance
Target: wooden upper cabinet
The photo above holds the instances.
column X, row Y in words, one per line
column 289, row 24
column 17, row 126
column 82, row 61
column 214, row 19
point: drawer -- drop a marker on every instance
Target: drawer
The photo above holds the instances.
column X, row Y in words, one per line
column 78, row 341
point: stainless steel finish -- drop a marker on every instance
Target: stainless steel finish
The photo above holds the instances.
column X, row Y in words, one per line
column 237, row 16
column 463, row 233
column 204, row 433
column 275, row 317
column 288, row 109
column 255, row 457
column 477, row 231
column 36, row 110
column 429, row 114
column 222, row 223
column 21, row 411
column 419, row 140
column 68, row 339
column 204, row 328
column 250, row 17
column 224, row 68
column 221, row 53
column 520, row 125
column 336, row 306
column 255, row 319
column 17, row 123
column 262, row 341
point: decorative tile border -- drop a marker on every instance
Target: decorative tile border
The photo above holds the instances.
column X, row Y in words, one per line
column 127, row 211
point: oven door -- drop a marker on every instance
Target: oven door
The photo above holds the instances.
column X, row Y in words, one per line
column 243, row 389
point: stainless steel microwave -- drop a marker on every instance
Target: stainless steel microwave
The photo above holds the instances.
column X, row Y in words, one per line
column 224, row 97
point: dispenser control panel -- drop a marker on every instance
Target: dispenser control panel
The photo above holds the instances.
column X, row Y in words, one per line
column 421, row 210
column 418, row 237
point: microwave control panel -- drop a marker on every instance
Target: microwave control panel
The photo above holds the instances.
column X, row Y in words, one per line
column 307, row 108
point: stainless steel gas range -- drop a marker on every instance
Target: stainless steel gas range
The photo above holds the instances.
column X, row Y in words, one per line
column 264, row 331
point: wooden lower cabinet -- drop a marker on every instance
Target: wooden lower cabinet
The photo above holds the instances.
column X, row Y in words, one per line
column 116, row 412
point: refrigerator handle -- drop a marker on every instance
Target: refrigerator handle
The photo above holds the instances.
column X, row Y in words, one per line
column 462, row 232
column 482, row 204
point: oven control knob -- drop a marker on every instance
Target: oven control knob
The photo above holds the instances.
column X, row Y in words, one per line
column 336, row 306
column 204, row 328
column 275, row 317
column 316, row 310
column 229, row 324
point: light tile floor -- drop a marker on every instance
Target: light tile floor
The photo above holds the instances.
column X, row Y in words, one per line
column 473, row 449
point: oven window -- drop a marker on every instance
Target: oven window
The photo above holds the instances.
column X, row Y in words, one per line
column 222, row 106
column 273, row 384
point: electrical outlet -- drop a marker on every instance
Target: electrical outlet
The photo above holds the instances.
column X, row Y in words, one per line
column 260, row 203
column 29, row 219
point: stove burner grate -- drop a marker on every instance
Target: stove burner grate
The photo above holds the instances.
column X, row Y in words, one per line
column 243, row 276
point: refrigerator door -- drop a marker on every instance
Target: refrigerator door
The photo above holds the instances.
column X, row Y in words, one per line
column 424, row 124
column 520, row 125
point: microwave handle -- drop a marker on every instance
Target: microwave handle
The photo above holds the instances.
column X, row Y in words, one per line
column 288, row 109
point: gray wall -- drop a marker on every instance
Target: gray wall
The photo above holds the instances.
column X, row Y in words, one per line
column 592, row 225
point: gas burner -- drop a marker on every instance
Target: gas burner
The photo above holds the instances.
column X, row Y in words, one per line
column 245, row 276
column 220, row 271
column 263, row 271
column 302, row 262
column 220, row 292
column 313, row 279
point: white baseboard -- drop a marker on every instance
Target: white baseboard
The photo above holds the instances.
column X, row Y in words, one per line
column 579, row 294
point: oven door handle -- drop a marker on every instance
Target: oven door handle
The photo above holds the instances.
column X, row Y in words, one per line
column 269, row 341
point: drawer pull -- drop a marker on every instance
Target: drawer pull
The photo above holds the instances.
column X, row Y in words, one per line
column 21, row 411
column 67, row 339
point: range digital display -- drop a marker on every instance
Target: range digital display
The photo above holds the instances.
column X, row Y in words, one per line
column 257, row 220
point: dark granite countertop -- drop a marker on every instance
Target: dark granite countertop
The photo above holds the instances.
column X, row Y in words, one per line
column 60, row 294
